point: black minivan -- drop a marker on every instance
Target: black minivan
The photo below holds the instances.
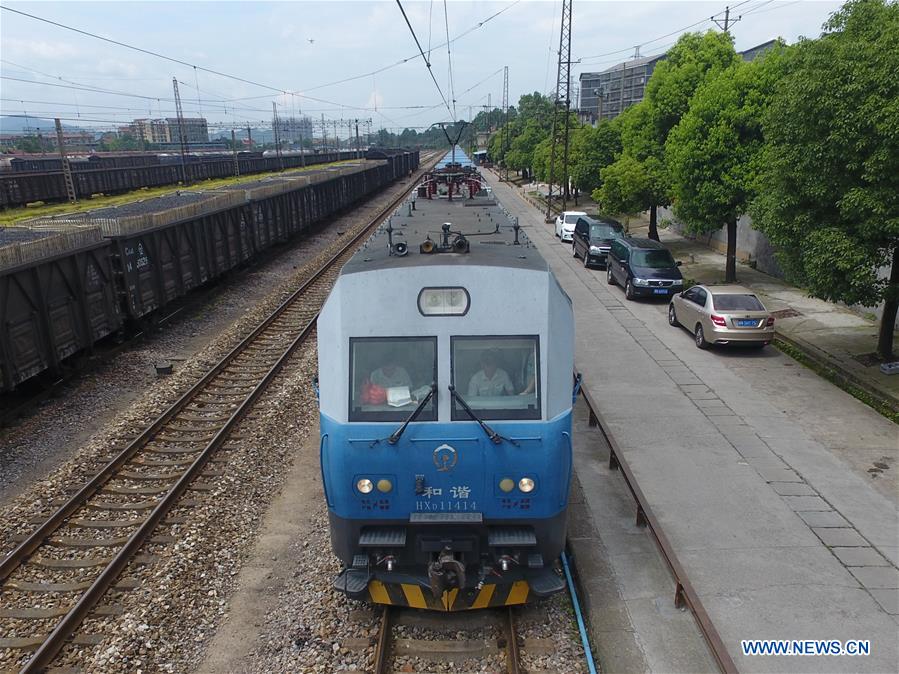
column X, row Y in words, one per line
column 644, row 267
column 592, row 239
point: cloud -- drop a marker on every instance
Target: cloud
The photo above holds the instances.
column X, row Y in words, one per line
column 39, row 48
column 116, row 67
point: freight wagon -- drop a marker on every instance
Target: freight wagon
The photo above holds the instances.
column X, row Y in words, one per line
column 66, row 283
column 26, row 180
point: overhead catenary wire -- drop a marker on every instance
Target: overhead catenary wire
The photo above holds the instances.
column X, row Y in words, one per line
column 425, row 58
column 179, row 61
column 477, row 26
column 661, row 37
column 449, row 60
column 244, row 80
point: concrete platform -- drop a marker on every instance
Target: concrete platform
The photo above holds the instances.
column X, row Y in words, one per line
column 767, row 503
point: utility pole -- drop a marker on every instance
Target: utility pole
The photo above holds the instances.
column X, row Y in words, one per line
column 562, row 106
column 358, row 146
column 726, row 24
column 66, row 167
column 277, row 133
column 234, row 152
column 505, row 136
column 249, row 138
column 302, row 140
column 182, row 136
column 324, row 133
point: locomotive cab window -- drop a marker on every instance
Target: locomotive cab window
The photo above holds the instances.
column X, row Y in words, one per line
column 390, row 375
column 499, row 377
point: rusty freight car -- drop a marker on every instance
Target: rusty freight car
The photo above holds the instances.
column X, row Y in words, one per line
column 67, row 282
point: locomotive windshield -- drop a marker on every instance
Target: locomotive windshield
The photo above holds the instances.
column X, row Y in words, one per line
column 390, row 375
column 499, row 377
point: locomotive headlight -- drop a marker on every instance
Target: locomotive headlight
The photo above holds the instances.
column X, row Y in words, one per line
column 507, row 484
column 365, row 485
column 526, row 485
column 443, row 301
column 384, row 485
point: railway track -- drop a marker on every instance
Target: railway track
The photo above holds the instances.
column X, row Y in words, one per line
column 58, row 575
column 502, row 642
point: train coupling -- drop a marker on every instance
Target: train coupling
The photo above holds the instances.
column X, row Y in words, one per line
column 445, row 572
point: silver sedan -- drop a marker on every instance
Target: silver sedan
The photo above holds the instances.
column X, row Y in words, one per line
column 722, row 315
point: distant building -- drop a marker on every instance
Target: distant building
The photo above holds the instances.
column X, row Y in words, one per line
column 606, row 94
column 165, row 131
column 294, row 130
column 752, row 52
column 154, row 131
column 195, row 130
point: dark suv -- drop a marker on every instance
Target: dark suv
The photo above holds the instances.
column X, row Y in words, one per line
column 592, row 239
column 644, row 267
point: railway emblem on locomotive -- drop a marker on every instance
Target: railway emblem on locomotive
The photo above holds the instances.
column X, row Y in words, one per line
column 445, row 458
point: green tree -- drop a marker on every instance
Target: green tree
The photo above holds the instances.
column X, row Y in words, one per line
column 124, row 142
column 530, row 123
column 521, row 151
column 645, row 126
column 628, row 185
column 30, row 144
column 592, row 149
column 712, row 154
column 829, row 184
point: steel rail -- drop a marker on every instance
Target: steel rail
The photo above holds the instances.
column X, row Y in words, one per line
column 685, row 593
column 86, row 602
column 513, row 653
column 382, row 648
column 385, row 639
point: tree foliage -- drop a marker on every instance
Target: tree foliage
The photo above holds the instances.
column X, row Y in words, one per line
column 645, row 126
column 713, row 152
column 626, row 186
column 592, row 149
column 829, row 183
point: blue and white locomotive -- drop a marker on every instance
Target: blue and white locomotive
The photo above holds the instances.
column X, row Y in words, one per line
column 445, row 365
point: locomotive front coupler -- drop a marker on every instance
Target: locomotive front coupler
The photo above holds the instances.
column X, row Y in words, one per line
column 445, row 572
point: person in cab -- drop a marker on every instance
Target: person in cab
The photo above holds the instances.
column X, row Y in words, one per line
column 490, row 380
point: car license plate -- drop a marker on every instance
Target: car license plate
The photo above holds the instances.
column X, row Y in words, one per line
column 747, row 323
column 660, row 291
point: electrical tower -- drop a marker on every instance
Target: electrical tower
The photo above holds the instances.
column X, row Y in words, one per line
column 505, row 137
column 66, row 166
column 182, row 136
column 562, row 106
column 277, row 133
column 234, row 153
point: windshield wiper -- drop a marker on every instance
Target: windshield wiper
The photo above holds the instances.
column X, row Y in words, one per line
column 397, row 434
column 495, row 437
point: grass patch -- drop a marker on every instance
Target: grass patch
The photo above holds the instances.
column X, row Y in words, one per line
column 13, row 215
column 876, row 403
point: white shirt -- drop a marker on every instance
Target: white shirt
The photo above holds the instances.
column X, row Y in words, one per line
column 498, row 385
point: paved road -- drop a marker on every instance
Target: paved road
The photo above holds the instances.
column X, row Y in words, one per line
column 755, row 467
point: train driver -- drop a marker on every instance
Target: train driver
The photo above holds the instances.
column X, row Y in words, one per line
column 390, row 374
column 490, row 380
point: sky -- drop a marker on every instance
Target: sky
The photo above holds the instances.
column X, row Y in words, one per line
column 300, row 51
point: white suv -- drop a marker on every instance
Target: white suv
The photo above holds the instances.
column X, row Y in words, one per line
column 565, row 224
